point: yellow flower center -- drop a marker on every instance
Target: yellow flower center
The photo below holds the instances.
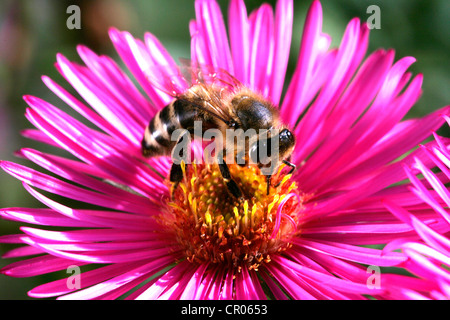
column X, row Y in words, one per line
column 213, row 226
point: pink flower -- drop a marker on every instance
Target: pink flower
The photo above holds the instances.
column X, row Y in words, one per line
column 429, row 256
column 310, row 238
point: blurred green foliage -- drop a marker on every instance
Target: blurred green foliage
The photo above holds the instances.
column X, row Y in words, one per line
column 33, row 31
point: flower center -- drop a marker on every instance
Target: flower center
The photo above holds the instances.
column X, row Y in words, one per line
column 213, row 226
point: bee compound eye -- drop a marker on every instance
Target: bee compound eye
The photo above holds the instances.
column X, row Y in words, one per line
column 285, row 134
column 286, row 138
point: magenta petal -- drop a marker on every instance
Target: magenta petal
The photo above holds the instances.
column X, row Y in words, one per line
column 297, row 90
column 92, row 277
column 116, row 85
column 90, row 235
column 22, row 252
column 354, row 253
column 212, row 32
column 65, row 169
column 290, row 282
column 82, row 109
column 433, row 238
column 46, row 217
column 50, row 184
column 100, row 218
column 261, row 35
column 95, row 97
column 38, row 265
column 190, row 290
column 227, row 289
column 93, row 148
column 120, row 280
column 101, row 256
column 205, row 290
column 283, row 33
column 251, row 288
column 171, row 284
column 137, row 59
column 239, row 39
column 275, row 289
column 339, row 284
column 214, row 285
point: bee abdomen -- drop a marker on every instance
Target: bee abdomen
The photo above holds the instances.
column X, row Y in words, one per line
column 157, row 137
column 181, row 114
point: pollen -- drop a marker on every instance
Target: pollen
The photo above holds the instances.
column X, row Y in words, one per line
column 211, row 225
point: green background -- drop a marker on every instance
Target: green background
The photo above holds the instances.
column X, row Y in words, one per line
column 33, row 31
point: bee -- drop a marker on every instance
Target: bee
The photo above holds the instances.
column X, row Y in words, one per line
column 219, row 101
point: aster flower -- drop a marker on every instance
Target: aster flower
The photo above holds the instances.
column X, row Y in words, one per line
column 428, row 257
column 311, row 237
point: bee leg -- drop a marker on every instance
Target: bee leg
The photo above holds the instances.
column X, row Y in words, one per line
column 172, row 193
column 176, row 175
column 231, row 184
column 293, row 167
column 176, row 171
column 268, row 180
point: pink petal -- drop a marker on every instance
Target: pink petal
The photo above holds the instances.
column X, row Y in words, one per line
column 38, row 265
column 295, row 102
column 91, row 277
column 353, row 253
column 137, row 58
column 239, row 39
column 212, row 32
column 261, row 40
column 283, row 33
column 56, row 186
column 119, row 280
column 170, row 284
column 45, row 217
column 190, row 289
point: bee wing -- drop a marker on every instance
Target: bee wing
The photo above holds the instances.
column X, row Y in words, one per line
column 211, row 84
column 215, row 83
column 197, row 73
column 213, row 98
column 168, row 80
column 176, row 81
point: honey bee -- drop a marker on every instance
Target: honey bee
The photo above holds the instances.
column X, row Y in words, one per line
column 219, row 101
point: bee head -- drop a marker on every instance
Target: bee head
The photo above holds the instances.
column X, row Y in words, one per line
column 286, row 142
column 266, row 150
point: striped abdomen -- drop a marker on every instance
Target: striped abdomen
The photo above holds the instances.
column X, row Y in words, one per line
column 158, row 139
